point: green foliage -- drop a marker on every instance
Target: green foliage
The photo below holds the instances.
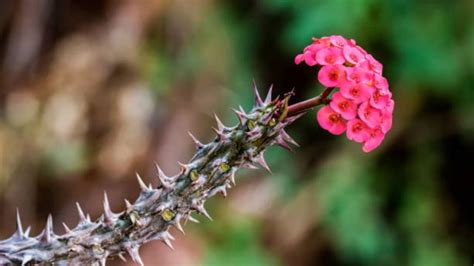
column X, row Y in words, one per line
column 239, row 247
column 350, row 211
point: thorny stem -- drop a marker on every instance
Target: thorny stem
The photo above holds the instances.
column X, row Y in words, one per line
column 211, row 170
column 309, row 104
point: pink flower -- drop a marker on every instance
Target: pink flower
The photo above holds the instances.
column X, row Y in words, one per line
column 331, row 121
column 331, row 75
column 376, row 137
column 357, row 131
column 329, row 56
column 371, row 116
column 356, row 92
column 299, row 58
column 345, row 107
column 366, row 66
column 315, row 47
column 353, row 55
column 386, row 124
column 380, row 82
column 390, row 106
column 338, row 40
column 309, row 59
column 326, row 41
column 309, row 53
column 358, row 74
column 363, row 105
column 375, row 65
column 364, row 52
column 380, row 99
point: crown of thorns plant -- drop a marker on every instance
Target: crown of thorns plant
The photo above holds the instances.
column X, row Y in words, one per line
column 361, row 106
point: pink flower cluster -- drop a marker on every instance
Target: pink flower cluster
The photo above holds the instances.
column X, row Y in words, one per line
column 363, row 105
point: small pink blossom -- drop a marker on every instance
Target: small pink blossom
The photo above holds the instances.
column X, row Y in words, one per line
column 371, row 116
column 358, row 74
column 357, row 131
column 326, row 41
column 376, row 137
column 299, row 58
column 380, row 99
column 357, row 92
column 331, row 121
column 353, row 55
column 366, row 66
column 309, row 58
column 329, row 56
column 364, row 52
column 380, row 82
column 331, row 75
column 386, row 123
column 338, row 40
column 375, row 65
column 315, row 47
column 390, row 106
column 345, row 107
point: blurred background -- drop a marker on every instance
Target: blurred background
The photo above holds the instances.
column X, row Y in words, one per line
column 93, row 91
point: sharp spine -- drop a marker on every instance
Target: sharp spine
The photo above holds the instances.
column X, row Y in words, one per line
column 232, row 177
column 142, row 185
column 282, row 143
column 192, row 219
column 240, row 116
column 68, row 230
column 198, row 144
column 249, row 165
column 134, row 254
column 47, row 234
column 19, row 227
column 288, row 138
column 179, row 226
column 82, row 217
column 25, row 260
column 169, row 235
column 167, row 242
column 109, row 216
column 184, row 167
column 220, row 125
column 200, row 208
column 268, row 99
column 260, row 159
column 258, row 99
column 120, row 255
column 219, row 133
column 128, row 205
column 163, row 178
column 27, row 231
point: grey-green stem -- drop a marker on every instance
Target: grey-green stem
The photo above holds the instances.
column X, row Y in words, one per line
column 210, row 171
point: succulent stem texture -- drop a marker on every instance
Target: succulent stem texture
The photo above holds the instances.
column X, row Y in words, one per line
column 210, row 171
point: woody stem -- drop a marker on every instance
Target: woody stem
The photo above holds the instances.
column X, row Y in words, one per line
column 309, row 104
